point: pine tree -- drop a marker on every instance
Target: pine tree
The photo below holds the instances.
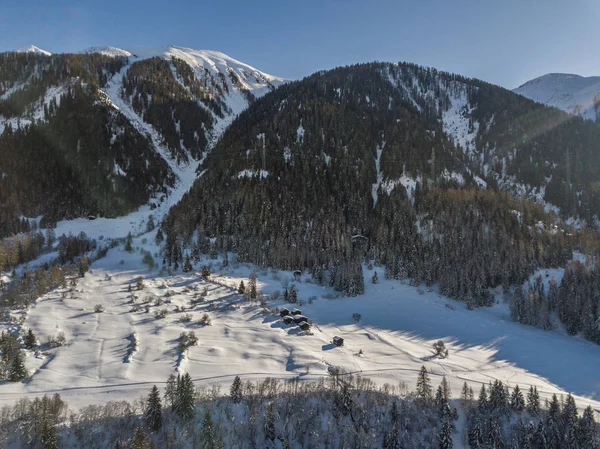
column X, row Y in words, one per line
column 16, row 369
column 185, row 402
column 286, row 444
column 129, row 243
column 242, row 288
column 440, row 403
column 207, row 434
column 375, row 278
column 424, row 385
column 475, row 433
column 293, row 294
column 159, row 236
column 482, row 401
column 187, row 265
column 390, row 439
column 48, row 438
column 533, row 401
column 139, row 439
column 225, row 260
column 446, row 391
column 236, row 390
column 517, row 401
column 570, row 421
column 171, row 391
column 30, row 340
column 587, row 433
column 394, row 415
column 445, row 434
column 153, row 413
column 150, row 224
column 270, row 423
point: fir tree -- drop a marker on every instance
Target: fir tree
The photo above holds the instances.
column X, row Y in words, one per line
column 293, row 294
column 517, row 401
column 48, row 438
column 207, row 434
column 236, row 390
column 482, row 401
column 270, row 423
column 153, row 413
column 242, row 288
column 185, row 402
column 139, row 439
column 587, row 432
column 475, row 433
column 445, row 434
column 533, row 401
column 129, row 243
column 375, row 278
column 171, row 391
column 424, row 385
column 159, row 236
column 30, row 340
column 390, row 439
column 16, row 369
column 187, row 265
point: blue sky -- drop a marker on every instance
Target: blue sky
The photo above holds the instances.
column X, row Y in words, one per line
column 505, row 42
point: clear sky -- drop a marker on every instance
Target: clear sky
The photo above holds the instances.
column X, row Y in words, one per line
column 505, row 42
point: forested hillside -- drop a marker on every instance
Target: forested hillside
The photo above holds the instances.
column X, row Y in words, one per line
column 102, row 133
column 366, row 161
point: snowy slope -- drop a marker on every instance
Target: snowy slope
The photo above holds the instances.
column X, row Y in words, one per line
column 33, row 49
column 398, row 326
column 572, row 93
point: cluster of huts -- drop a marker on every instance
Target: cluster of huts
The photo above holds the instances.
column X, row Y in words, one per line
column 294, row 317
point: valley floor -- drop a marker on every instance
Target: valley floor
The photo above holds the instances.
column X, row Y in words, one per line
column 397, row 329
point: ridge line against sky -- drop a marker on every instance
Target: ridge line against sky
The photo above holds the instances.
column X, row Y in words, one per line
column 505, row 43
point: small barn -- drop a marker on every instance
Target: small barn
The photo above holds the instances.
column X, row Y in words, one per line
column 338, row 341
column 304, row 326
column 288, row 320
column 296, row 312
column 284, row 312
column 300, row 319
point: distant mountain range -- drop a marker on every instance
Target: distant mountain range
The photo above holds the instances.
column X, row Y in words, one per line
column 571, row 93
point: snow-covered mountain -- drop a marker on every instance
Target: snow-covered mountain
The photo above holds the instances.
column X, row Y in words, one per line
column 571, row 93
column 33, row 49
column 173, row 101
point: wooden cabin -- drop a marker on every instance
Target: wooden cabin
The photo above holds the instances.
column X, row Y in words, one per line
column 296, row 312
column 304, row 326
column 300, row 319
column 284, row 312
column 288, row 320
column 338, row 341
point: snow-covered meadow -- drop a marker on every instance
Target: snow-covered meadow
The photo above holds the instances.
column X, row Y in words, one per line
column 393, row 338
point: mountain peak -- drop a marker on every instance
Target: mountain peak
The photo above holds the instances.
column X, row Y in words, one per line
column 33, row 49
column 572, row 93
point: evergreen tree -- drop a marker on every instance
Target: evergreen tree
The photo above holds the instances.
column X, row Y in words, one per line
column 153, row 413
column 129, row 243
column 517, row 401
column 446, row 391
column 186, row 401
column 139, row 440
column 159, row 236
column 445, row 434
column 150, row 224
column 375, row 278
column 482, row 401
column 475, row 433
column 270, row 423
column 390, row 439
column 171, row 391
column 293, row 294
column 587, row 433
column 48, row 438
column 207, row 434
column 423, row 385
column 187, row 265
column 533, row 401
column 16, row 369
column 242, row 288
column 30, row 340
column 236, row 390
